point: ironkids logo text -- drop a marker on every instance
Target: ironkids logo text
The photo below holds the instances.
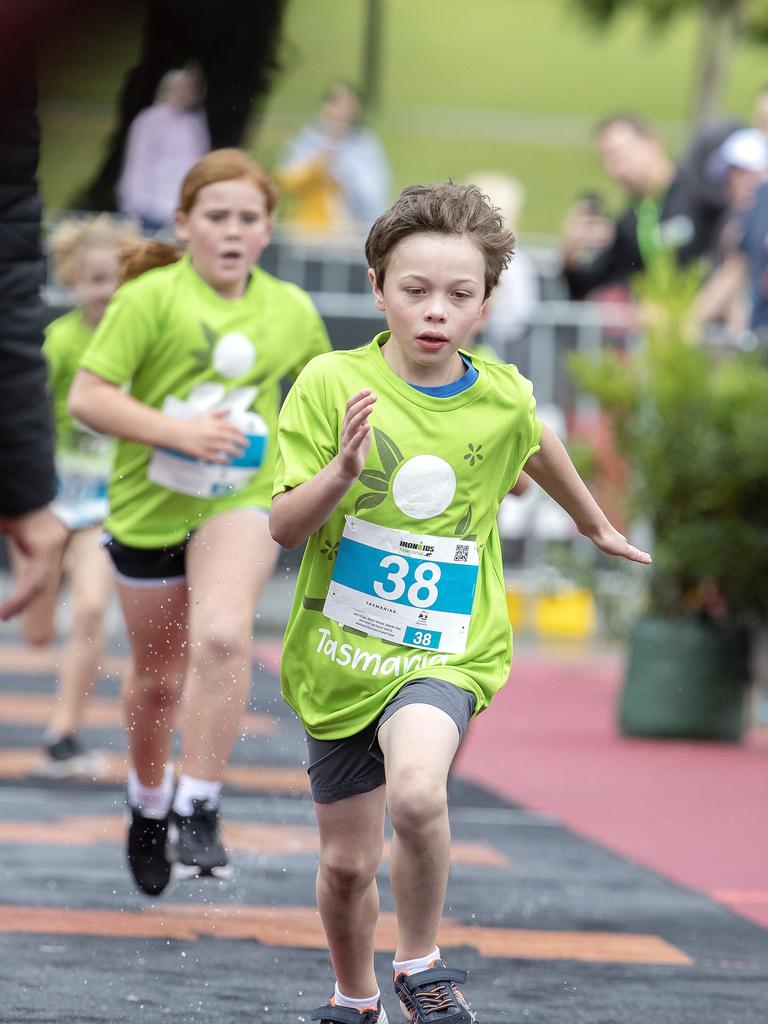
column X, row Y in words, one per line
column 418, row 548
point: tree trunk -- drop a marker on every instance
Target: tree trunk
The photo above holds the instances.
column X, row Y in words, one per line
column 721, row 23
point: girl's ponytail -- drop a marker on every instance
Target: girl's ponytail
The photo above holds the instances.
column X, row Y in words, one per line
column 141, row 254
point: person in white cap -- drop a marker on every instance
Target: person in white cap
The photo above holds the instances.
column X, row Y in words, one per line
column 741, row 164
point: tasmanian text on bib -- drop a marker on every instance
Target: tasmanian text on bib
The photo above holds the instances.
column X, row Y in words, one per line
column 411, row 589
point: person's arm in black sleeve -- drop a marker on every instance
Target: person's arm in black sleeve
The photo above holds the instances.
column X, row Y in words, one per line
column 26, row 437
column 27, row 480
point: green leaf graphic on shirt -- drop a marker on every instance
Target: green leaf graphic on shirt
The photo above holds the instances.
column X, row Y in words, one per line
column 369, row 500
column 203, row 356
column 210, row 335
column 374, row 479
column 389, row 453
column 464, row 523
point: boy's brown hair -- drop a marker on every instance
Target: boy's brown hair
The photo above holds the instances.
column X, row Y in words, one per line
column 445, row 209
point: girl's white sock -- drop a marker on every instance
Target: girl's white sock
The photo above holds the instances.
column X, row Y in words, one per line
column 152, row 801
column 190, row 789
column 355, row 1004
column 421, row 963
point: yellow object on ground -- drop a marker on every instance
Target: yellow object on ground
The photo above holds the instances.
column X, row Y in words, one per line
column 570, row 613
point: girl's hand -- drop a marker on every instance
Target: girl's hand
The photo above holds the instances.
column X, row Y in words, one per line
column 609, row 540
column 355, row 435
column 210, row 436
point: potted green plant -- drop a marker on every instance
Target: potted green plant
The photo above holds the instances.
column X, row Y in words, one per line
column 692, row 425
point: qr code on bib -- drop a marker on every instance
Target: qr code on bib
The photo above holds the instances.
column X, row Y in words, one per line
column 462, row 553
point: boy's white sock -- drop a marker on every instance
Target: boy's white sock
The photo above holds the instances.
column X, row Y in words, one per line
column 421, row 963
column 152, row 801
column 355, row 1004
column 190, row 789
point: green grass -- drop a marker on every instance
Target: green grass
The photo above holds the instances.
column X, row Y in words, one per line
column 510, row 85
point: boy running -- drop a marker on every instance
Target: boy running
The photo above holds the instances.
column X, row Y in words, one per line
column 398, row 632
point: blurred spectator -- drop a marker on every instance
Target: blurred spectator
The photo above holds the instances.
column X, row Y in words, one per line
column 238, row 64
column 760, row 111
column 517, row 294
column 335, row 173
column 738, row 168
column 163, row 143
column 666, row 211
column 741, row 163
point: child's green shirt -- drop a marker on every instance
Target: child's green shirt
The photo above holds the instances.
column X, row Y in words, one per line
column 438, row 467
column 172, row 338
column 66, row 339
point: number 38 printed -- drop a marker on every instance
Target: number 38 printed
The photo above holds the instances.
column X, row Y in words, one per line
column 422, row 592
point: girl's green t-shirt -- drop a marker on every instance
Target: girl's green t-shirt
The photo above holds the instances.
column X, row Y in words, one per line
column 168, row 334
column 66, row 339
column 438, row 467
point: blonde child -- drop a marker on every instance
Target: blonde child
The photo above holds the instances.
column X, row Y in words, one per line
column 203, row 344
column 85, row 258
column 393, row 459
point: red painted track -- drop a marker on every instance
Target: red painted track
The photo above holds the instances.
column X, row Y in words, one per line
column 695, row 812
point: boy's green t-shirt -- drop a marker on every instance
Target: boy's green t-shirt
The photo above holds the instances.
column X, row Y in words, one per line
column 168, row 334
column 66, row 339
column 339, row 680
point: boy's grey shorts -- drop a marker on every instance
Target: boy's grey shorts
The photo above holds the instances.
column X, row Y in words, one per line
column 355, row 764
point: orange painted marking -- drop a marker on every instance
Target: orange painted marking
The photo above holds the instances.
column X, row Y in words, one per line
column 300, row 927
column 241, row 837
column 20, row 762
column 35, row 709
column 44, row 660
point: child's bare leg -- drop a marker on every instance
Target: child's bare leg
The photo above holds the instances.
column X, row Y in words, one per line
column 417, row 772
column 38, row 622
column 229, row 560
column 351, row 844
column 156, row 622
column 90, row 580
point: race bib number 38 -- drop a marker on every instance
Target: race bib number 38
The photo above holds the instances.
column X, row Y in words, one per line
column 412, row 589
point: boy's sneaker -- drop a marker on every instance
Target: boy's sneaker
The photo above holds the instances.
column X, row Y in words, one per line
column 65, row 757
column 347, row 1015
column 197, row 846
column 427, row 997
column 147, row 854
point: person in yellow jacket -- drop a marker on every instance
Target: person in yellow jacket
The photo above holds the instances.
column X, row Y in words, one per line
column 334, row 174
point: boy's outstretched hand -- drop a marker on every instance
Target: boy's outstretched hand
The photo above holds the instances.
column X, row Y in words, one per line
column 356, row 434
column 609, row 540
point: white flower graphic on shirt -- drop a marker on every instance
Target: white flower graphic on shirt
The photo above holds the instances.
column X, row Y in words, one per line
column 424, row 487
column 233, row 355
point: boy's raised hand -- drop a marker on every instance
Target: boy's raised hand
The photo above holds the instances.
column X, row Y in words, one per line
column 609, row 540
column 356, row 434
